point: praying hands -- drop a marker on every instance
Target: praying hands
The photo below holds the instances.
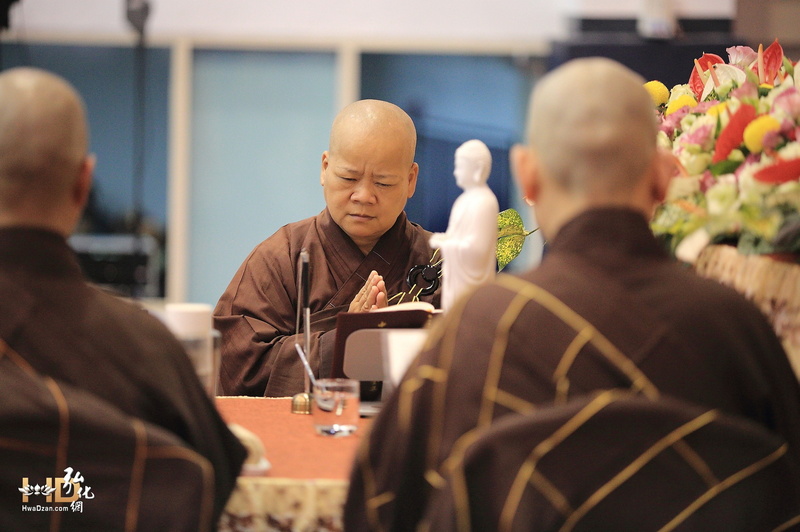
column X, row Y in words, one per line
column 371, row 296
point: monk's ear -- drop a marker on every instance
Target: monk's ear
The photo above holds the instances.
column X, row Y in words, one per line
column 323, row 167
column 412, row 179
column 83, row 184
column 667, row 166
column 525, row 170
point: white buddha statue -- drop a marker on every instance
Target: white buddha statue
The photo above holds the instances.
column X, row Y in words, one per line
column 469, row 245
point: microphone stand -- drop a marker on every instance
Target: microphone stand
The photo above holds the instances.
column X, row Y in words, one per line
column 301, row 402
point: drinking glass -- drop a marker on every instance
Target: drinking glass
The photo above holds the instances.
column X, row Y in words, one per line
column 335, row 406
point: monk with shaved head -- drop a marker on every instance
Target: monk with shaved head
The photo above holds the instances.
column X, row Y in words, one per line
column 361, row 249
column 45, row 169
column 56, row 325
column 606, row 309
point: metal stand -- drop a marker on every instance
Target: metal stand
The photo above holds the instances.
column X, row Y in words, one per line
column 301, row 402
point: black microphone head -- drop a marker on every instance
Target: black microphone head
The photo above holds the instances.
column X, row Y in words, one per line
column 304, row 277
column 137, row 12
column 5, row 7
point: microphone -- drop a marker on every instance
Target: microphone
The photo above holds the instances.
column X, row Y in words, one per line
column 5, row 8
column 137, row 12
column 304, row 276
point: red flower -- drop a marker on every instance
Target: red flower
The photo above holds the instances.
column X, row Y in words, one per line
column 779, row 172
column 696, row 82
column 731, row 137
column 772, row 59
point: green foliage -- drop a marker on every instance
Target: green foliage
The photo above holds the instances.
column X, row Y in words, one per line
column 673, row 221
column 788, row 65
column 511, row 236
column 751, row 76
column 724, row 167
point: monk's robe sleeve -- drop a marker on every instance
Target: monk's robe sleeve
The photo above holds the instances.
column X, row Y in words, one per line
column 256, row 316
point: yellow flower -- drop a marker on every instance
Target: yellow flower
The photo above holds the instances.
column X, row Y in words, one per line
column 755, row 131
column 679, row 103
column 658, row 92
column 718, row 109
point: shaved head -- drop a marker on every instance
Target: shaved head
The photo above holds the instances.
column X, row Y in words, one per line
column 593, row 127
column 43, row 142
column 368, row 171
column 369, row 118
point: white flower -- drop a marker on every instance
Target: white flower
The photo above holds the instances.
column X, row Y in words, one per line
column 752, row 191
column 678, row 91
column 728, row 76
column 790, row 151
column 742, row 56
column 688, row 121
column 736, row 155
column 691, row 246
column 722, row 196
column 787, row 194
column 683, row 186
column 694, row 163
column 663, row 141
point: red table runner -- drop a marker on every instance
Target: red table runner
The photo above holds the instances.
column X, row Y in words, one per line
column 290, row 443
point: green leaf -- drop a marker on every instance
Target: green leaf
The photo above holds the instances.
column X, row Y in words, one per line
column 751, row 76
column 679, row 217
column 752, row 244
column 787, row 64
column 511, row 236
column 724, row 167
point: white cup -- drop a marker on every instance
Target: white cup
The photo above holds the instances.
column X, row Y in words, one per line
column 193, row 325
column 335, row 409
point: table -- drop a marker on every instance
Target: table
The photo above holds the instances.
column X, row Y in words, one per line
column 307, row 485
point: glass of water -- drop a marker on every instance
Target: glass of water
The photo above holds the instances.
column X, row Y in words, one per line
column 335, row 409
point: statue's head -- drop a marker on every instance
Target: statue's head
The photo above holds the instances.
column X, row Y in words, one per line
column 473, row 164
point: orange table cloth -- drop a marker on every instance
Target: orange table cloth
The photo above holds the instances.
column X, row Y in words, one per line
column 306, row 487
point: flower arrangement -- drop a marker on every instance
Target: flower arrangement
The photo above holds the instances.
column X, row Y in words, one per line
column 734, row 132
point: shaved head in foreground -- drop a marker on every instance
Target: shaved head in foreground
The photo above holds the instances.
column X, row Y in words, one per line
column 45, row 170
column 592, row 134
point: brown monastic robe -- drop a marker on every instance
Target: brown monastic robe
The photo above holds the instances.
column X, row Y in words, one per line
column 606, row 309
column 257, row 313
column 106, row 347
column 107, row 470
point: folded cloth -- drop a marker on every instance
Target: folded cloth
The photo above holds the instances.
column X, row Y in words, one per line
column 256, row 462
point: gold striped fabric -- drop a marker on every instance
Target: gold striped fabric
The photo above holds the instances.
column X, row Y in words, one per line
column 138, row 475
column 429, row 382
column 617, row 461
